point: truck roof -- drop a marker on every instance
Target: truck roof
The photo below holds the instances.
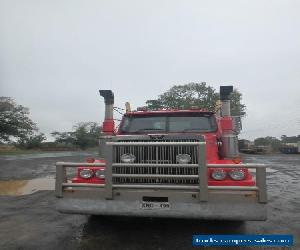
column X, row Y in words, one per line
column 169, row 111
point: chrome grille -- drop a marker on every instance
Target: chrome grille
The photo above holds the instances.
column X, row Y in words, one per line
column 152, row 171
column 156, row 155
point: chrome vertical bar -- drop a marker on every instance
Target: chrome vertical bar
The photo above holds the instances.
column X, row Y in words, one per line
column 61, row 177
column 202, row 172
column 108, row 172
column 261, row 184
column 156, row 162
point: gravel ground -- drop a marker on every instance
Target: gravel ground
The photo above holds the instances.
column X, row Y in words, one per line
column 31, row 221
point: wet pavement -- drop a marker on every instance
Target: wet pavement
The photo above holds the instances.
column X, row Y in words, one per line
column 31, row 166
column 31, row 221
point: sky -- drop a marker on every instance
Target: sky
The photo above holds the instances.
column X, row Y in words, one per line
column 56, row 54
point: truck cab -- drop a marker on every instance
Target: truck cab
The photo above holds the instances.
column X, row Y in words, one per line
column 166, row 163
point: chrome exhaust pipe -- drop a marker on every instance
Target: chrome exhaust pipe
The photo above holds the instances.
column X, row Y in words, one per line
column 225, row 92
column 229, row 149
column 108, row 96
column 108, row 124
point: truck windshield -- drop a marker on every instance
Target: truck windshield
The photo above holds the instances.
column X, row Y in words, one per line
column 193, row 122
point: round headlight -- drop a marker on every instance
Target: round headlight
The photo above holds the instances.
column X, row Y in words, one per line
column 218, row 174
column 127, row 158
column 183, row 158
column 100, row 173
column 86, row 173
column 237, row 174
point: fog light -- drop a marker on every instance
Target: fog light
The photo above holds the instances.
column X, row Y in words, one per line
column 127, row 158
column 218, row 174
column 237, row 174
column 100, row 173
column 183, row 158
column 86, row 173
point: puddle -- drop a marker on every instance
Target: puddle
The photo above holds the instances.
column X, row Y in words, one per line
column 271, row 170
column 46, row 155
column 23, row 187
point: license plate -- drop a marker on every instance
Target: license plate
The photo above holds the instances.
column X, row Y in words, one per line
column 155, row 205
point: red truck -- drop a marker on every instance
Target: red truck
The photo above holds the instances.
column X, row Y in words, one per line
column 166, row 163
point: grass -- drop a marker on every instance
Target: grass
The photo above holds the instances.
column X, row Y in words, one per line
column 21, row 151
column 39, row 151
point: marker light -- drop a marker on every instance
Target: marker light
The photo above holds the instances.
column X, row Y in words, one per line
column 237, row 160
column 90, row 160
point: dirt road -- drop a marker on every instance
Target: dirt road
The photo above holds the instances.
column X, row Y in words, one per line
column 31, row 221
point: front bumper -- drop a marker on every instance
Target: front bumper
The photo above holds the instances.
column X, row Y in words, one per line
column 217, row 208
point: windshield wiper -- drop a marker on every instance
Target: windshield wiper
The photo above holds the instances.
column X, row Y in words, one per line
column 194, row 129
column 145, row 129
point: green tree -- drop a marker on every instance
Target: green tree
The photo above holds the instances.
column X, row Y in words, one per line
column 14, row 121
column 237, row 107
column 64, row 138
column 195, row 94
column 268, row 141
column 290, row 139
column 84, row 134
column 31, row 141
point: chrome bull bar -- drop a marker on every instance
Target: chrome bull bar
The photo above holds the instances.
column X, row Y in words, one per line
column 202, row 187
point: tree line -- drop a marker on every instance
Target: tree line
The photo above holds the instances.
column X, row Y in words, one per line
column 83, row 135
column 16, row 126
column 274, row 142
column 196, row 94
column 18, row 129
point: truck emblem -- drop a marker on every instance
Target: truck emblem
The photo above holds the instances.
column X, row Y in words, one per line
column 157, row 136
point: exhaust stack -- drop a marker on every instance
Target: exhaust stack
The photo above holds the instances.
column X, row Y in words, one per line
column 225, row 92
column 229, row 149
column 108, row 124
